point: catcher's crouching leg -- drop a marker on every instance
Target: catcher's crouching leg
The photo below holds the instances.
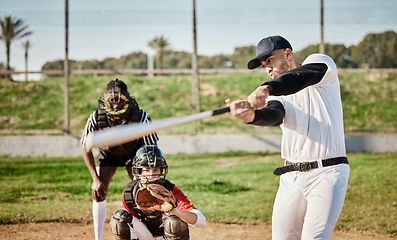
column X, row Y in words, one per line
column 175, row 228
column 119, row 224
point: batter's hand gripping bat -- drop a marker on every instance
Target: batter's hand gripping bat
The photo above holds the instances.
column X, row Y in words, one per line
column 114, row 136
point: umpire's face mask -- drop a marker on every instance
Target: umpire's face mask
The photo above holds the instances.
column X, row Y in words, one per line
column 116, row 103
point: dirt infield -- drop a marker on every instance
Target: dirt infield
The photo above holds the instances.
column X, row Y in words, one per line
column 211, row 231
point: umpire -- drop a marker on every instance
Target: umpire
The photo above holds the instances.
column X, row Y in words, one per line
column 115, row 107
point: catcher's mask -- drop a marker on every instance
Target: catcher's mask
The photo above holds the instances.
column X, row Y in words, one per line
column 116, row 100
column 149, row 156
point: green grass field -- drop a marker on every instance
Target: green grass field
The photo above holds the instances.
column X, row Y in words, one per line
column 369, row 99
column 227, row 188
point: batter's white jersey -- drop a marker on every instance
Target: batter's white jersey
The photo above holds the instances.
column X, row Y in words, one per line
column 313, row 122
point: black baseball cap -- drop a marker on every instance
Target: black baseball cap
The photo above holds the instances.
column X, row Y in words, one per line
column 266, row 46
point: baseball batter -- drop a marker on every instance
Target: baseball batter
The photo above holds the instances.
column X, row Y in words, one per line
column 304, row 99
column 116, row 107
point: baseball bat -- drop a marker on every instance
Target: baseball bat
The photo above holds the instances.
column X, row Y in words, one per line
column 114, row 136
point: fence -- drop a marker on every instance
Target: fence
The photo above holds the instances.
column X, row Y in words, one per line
column 117, row 36
column 114, row 39
column 20, row 75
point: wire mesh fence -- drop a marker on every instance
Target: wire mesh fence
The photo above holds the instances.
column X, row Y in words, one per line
column 357, row 34
column 121, row 38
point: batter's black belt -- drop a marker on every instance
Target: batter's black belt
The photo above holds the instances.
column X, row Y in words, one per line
column 308, row 166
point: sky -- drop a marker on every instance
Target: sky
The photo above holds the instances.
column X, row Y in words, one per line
column 99, row 29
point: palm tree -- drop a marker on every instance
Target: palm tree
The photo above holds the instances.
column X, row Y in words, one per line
column 11, row 29
column 26, row 45
column 160, row 45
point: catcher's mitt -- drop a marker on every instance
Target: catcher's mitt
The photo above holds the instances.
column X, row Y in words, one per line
column 155, row 197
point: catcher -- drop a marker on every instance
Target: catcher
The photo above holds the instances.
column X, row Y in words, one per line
column 154, row 208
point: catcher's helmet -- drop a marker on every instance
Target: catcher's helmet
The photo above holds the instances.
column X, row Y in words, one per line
column 117, row 100
column 149, row 156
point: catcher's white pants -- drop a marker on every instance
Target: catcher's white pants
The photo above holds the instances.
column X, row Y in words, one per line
column 308, row 204
column 138, row 230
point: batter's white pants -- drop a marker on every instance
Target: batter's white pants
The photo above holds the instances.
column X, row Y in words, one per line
column 308, row 204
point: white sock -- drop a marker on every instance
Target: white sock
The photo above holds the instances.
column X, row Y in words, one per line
column 99, row 215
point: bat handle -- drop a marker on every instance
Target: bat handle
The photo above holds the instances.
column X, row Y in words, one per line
column 220, row 111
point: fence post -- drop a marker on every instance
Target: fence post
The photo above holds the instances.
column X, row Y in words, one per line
column 195, row 80
column 322, row 46
column 66, row 70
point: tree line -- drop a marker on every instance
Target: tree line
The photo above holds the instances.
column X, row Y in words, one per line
column 376, row 50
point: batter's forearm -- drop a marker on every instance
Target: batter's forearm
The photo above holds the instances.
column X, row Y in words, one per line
column 271, row 115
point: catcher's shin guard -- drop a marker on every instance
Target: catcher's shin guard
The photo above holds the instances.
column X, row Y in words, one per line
column 175, row 228
column 119, row 224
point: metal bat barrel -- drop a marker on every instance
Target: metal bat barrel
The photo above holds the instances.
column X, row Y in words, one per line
column 114, row 136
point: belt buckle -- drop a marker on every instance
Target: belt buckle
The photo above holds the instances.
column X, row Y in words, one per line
column 305, row 167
